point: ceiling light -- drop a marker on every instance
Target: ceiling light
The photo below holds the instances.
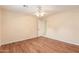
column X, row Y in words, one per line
column 39, row 12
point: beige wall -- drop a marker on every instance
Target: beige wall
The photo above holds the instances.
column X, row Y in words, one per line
column 64, row 26
column 0, row 26
column 17, row 27
column 41, row 27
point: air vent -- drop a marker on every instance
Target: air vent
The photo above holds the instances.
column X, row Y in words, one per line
column 25, row 6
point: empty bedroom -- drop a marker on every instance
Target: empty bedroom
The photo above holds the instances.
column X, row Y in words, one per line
column 39, row 29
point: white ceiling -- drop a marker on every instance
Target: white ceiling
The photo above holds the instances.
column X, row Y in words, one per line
column 31, row 9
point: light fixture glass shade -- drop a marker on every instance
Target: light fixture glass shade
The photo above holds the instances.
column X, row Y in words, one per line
column 40, row 14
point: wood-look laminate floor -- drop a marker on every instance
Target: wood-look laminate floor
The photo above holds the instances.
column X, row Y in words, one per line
column 39, row 45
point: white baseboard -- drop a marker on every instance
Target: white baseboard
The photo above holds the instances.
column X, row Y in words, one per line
column 61, row 40
column 17, row 41
column 43, row 36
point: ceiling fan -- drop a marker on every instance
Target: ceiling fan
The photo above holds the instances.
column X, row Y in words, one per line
column 39, row 12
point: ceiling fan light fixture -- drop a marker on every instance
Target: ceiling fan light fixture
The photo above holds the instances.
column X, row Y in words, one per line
column 41, row 14
column 39, row 11
column 37, row 14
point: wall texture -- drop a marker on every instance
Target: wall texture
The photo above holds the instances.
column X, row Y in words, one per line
column 17, row 27
column 41, row 27
column 0, row 25
column 64, row 26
